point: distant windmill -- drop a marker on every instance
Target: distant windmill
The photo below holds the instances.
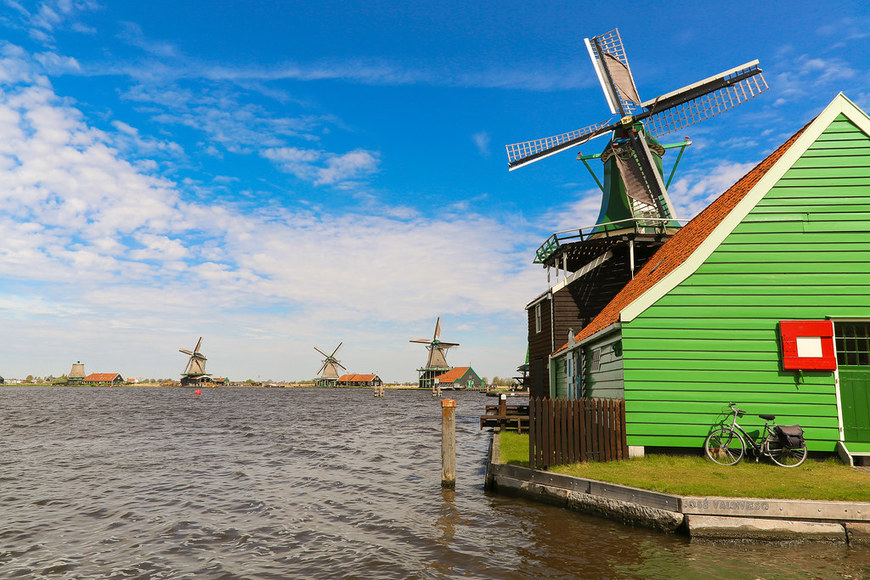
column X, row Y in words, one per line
column 76, row 374
column 329, row 370
column 436, row 363
column 194, row 371
column 634, row 186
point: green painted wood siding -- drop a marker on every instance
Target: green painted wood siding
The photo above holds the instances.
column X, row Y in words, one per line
column 560, row 388
column 802, row 253
column 607, row 381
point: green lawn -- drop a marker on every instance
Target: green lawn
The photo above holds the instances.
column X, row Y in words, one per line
column 822, row 480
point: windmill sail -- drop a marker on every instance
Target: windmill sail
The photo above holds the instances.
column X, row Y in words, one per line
column 635, row 188
column 196, row 363
column 520, row 154
column 437, row 358
column 704, row 99
column 330, row 366
column 611, row 66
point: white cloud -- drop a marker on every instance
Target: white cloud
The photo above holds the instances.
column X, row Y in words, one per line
column 481, row 141
column 102, row 243
column 323, row 168
column 373, row 71
column 132, row 34
column 52, row 15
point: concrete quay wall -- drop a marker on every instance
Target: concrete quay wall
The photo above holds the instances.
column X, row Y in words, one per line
column 714, row 518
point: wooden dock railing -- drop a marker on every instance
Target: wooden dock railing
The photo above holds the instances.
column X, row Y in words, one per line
column 576, row 430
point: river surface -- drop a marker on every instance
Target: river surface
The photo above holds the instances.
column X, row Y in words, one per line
column 306, row 483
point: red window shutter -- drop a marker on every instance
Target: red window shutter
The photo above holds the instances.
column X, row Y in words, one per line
column 815, row 337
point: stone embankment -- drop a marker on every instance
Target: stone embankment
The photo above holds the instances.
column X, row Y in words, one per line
column 718, row 518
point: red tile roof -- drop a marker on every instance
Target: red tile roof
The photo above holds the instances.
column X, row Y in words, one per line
column 452, row 375
column 678, row 249
column 356, row 378
column 100, row 377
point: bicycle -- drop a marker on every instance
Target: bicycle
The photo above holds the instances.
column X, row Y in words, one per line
column 727, row 445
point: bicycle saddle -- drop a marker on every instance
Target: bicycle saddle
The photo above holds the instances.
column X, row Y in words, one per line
column 767, row 417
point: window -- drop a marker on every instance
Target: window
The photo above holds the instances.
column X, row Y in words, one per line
column 595, row 363
column 538, row 317
column 853, row 343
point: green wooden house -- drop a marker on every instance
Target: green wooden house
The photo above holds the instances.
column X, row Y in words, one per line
column 702, row 323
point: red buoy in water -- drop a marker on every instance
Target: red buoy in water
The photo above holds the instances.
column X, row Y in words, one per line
column 197, row 392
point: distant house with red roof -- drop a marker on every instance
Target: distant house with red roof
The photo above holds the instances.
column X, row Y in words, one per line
column 359, row 381
column 459, row 378
column 103, row 379
column 762, row 299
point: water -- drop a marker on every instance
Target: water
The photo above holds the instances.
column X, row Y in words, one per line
column 306, row 483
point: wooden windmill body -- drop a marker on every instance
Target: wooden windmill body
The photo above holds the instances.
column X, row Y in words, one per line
column 636, row 215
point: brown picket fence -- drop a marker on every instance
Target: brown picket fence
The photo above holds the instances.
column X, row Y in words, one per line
column 575, row 430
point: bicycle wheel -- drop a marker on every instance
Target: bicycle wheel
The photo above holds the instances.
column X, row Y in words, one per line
column 724, row 446
column 786, row 456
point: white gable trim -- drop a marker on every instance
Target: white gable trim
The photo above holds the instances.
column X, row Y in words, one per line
column 839, row 105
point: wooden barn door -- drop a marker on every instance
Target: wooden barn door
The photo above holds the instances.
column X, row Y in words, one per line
column 853, row 361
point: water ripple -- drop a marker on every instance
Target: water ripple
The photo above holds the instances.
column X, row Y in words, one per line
column 298, row 483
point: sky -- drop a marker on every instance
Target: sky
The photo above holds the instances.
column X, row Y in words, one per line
column 273, row 176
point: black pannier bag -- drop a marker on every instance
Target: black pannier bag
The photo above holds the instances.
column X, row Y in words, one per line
column 791, row 436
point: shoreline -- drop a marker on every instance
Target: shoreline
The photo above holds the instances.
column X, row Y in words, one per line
column 699, row 518
column 239, row 386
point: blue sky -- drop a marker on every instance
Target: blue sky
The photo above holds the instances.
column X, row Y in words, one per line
column 278, row 175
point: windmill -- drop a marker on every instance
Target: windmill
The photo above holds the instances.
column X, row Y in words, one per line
column 634, row 188
column 329, row 370
column 436, row 363
column 194, row 371
column 636, row 216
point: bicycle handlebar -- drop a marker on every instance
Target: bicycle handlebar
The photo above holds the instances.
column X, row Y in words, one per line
column 736, row 410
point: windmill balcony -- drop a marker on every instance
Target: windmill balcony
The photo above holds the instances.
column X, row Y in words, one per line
column 611, row 230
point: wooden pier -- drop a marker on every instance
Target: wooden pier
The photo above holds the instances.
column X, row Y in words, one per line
column 513, row 417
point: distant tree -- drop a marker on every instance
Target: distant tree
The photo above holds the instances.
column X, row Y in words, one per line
column 28, row 379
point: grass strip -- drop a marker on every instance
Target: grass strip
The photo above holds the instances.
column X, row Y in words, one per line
column 827, row 480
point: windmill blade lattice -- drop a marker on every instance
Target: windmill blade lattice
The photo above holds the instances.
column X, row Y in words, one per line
column 663, row 114
column 614, row 74
column 643, row 183
column 520, row 154
column 705, row 99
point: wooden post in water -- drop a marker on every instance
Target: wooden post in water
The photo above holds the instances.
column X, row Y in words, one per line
column 448, row 443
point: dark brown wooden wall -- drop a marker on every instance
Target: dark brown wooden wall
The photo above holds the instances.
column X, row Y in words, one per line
column 540, row 347
column 574, row 307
